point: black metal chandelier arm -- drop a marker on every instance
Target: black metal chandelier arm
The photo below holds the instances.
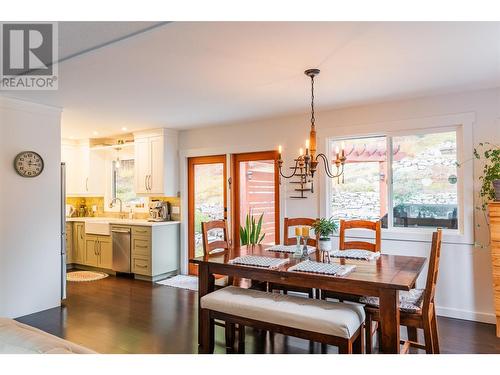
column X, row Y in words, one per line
column 327, row 167
column 293, row 172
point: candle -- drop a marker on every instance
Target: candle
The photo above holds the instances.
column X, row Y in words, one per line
column 279, row 152
column 301, row 151
column 337, row 153
column 343, row 149
column 298, row 231
column 307, row 146
column 305, row 231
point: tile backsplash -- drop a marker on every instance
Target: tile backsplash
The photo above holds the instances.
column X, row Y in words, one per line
column 98, row 202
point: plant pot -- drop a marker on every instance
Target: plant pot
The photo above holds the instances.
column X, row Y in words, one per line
column 325, row 244
column 496, row 186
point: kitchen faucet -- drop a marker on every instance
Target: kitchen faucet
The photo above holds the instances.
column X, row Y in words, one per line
column 113, row 201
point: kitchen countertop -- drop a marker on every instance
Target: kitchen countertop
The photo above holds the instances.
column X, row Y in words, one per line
column 114, row 220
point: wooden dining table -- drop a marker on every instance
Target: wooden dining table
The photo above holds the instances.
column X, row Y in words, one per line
column 383, row 277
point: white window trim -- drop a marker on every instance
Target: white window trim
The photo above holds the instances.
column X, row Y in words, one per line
column 463, row 125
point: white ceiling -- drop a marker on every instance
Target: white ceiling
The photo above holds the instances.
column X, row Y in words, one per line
column 192, row 74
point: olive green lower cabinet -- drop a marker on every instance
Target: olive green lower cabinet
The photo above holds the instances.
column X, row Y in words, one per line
column 154, row 251
column 69, row 243
column 78, row 249
column 98, row 251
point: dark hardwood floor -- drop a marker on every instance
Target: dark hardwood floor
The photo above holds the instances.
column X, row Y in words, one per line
column 120, row 315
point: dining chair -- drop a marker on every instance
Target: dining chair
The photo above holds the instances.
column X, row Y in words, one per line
column 417, row 308
column 311, row 241
column 218, row 247
column 358, row 245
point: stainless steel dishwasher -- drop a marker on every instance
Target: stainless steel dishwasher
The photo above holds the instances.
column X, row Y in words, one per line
column 121, row 249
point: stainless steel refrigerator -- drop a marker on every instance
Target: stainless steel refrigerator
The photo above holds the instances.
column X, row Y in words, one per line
column 63, row 231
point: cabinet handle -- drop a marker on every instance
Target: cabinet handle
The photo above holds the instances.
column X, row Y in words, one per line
column 87, row 184
column 140, row 266
column 95, row 248
column 146, row 182
column 149, row 183
column 142, row 247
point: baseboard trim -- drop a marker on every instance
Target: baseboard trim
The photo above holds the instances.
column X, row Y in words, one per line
column 482, row 317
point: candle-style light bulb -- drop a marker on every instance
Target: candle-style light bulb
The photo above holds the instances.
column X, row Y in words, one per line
column 301, row 151
column 307, row 144
column 343, row 149
column 337, row 153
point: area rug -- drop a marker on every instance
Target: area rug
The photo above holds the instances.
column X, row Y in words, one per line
column 81, row 276
column 181, row 281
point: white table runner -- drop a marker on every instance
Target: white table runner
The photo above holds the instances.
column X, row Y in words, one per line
column 355, row 254
column 259, row 261
column 322, row 268
column 289, row 249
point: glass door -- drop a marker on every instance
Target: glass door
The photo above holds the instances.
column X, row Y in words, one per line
column 256, row 192
column 207, row 198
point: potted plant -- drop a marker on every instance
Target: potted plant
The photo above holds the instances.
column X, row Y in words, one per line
column 490, row 188
column 250, row 233
column 324, row 228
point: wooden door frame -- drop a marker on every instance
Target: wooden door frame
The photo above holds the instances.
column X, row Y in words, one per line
column 235, row 199
column 192, row 161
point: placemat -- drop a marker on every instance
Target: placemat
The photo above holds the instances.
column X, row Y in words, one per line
column 258, row 261
column 322, row 268
column 289, row 249
column 355, row 254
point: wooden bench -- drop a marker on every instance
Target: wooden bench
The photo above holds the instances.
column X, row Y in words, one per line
column 332, row 323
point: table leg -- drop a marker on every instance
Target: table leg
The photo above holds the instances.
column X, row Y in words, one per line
column 389, row 321
column 206, row 284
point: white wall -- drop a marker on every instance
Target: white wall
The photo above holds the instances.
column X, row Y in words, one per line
column 29, row 207
column 465, row 284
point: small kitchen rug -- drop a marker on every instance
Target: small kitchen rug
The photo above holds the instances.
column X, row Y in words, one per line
column 181, row 281
column 81, row 276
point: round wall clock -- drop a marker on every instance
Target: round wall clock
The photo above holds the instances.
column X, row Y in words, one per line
column 28, row 164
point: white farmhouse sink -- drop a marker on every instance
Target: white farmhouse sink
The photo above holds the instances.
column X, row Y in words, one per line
column 100, row 227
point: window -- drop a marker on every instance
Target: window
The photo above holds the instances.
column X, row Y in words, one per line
column 423, row 192
column 123, row 183
column 361, row 193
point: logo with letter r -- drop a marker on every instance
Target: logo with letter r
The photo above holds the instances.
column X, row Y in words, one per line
column 27, row 48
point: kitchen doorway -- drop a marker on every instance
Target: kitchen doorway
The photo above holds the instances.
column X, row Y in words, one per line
column 207, row 199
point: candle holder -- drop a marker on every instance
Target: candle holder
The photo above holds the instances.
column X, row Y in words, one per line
column 298, row 249
column 325, row 256
column 305, row 252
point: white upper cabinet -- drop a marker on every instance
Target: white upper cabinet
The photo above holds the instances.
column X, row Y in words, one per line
column 156, row 163
column 84, row 170
column 142, row 165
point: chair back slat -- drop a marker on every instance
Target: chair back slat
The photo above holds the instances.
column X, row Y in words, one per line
column 209, row 247
column 433, row 271
column 295, row 222
column 364, row 245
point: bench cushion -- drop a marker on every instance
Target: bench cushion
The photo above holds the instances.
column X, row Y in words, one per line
column 19, row 338
column 331, row 318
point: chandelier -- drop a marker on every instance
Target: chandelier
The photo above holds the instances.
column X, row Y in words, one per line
column 306, row 163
